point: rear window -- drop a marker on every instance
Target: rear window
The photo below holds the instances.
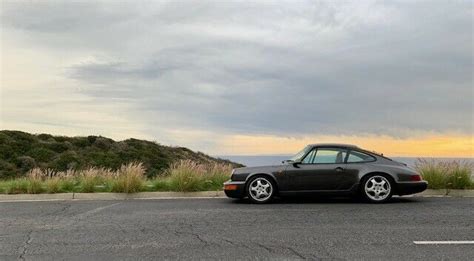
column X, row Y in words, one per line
column 357, row 156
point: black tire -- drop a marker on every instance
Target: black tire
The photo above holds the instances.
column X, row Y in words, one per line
column 260, row 189
column 377, row 188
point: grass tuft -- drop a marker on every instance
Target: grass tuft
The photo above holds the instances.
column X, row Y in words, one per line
column 446, row 174
column 129, row 179
column 187, row 175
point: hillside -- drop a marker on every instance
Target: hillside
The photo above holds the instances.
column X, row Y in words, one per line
column 20, row 152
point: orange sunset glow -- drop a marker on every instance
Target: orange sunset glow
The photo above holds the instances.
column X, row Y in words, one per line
column 427, row 146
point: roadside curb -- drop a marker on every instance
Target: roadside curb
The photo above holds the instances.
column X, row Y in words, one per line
column 446, row 193
column 147, row 195
column 177, row 195
column 110, row 196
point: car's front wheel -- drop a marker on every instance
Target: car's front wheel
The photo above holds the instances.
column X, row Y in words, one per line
column 260, row 189
column 377, row 189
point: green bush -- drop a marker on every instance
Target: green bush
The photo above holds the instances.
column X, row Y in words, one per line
column 160, row 184
column 16, row 186
column 41, row 154
column 26, row 163
column 8, row 170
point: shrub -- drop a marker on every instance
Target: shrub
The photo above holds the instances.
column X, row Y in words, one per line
column 16, row 186
column 7, row 169
column 160, row 184
column 67, row 160
column 26, row 162
column 41, row 154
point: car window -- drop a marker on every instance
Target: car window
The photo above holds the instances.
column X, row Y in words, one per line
column 329, row 155
column 309, row 158
column 356, row 156
column 325, row 155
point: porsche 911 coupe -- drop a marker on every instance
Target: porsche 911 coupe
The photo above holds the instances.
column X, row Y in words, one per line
column 330, row 169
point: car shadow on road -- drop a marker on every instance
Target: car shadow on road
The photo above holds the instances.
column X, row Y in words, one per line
column 329, row 200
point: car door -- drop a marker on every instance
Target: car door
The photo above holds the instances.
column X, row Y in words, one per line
column 355, row 162
column 321, row 170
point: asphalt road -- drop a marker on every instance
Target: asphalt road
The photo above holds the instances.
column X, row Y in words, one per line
column 324, row 229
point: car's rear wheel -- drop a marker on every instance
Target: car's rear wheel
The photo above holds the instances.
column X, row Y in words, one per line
column 377, row 189
column 260, row 190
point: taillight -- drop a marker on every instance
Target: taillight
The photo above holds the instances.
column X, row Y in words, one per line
column 415, row 178
column 230, row 187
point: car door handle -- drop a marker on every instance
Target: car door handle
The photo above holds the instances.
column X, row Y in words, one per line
column 339, row 169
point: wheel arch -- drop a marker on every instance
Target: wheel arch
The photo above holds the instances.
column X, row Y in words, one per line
column 262, row 174
column 382, row 173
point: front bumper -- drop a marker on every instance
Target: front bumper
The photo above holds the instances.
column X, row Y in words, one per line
column 406, row 188
column 234, row 189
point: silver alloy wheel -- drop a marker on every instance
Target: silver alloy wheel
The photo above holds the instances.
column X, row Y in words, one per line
column 260, row 189
column 377, row 188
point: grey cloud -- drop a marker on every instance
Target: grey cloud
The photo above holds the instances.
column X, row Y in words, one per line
column 286, row 69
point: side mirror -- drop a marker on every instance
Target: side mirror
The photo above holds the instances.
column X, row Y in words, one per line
column 296, row 163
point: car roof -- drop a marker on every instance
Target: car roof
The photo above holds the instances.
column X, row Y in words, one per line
column 339, row 145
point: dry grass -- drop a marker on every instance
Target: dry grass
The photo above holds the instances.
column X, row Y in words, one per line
column 129, row 178
column 187, row 175
column 446, row 174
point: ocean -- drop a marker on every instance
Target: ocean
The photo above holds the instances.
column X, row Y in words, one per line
column 262, row 160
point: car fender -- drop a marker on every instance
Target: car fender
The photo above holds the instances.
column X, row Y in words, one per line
column 270, row 175
column 376, row 170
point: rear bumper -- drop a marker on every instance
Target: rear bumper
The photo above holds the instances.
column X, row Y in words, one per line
column 236, row 191
column 406, row 188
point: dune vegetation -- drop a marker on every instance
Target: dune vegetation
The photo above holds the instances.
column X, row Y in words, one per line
column 183, row 176
column 446, row 174
column 21, row 152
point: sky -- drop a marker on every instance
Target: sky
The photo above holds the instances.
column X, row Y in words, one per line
column 243, row 77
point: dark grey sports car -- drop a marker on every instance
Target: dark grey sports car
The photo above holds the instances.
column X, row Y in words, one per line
column 332, row 169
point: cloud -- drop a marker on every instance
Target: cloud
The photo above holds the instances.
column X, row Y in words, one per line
column 291, row 69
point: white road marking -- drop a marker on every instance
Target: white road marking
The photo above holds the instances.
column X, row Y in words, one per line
column 466, row 242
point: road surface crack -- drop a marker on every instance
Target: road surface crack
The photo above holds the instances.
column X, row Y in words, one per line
column 25, row 245
column 178, row 232
column 269, row 249
column 296, row 253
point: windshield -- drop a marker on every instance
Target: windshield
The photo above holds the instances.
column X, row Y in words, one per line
column 300, row 154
